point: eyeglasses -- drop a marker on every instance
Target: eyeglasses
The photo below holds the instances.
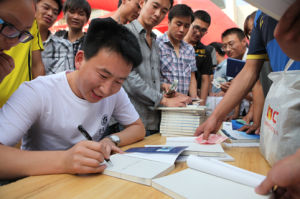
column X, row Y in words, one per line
column 199, row 29
column 228, row 45
column 10, row 31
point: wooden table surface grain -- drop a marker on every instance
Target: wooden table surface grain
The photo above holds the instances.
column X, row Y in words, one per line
column 102, row 186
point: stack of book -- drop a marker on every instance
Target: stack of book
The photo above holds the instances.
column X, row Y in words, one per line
column 238, row 138
column 181, row 121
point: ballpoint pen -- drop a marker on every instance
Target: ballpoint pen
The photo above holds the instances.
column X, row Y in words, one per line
column 88, row 137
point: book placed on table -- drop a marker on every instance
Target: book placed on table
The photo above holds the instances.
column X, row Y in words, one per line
column 238, row 138
column 194, row 148
column 143, row 164
column 209, row 178
column 181, row 121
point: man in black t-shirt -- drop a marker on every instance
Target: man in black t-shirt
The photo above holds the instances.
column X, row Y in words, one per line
column 197, row 30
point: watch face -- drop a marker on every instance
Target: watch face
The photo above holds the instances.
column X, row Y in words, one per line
column 115, row 139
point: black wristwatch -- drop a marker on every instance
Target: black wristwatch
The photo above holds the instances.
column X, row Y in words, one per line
column 115, row 139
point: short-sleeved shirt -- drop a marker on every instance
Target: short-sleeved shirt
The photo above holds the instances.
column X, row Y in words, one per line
column 46, row 113
column 174, row 67
column 58, row 55
column 203, row 62
column 264, row 46
column 143, row 83
column 22, row 55
column 77, row 45
column 220, row 72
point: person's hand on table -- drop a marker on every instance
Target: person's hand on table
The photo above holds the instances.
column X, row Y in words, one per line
column 211, row 125
column 87, row 156
column 6, row 65
column 179, row 100
column 286, row 175
column 251, row 128
column 225, row 86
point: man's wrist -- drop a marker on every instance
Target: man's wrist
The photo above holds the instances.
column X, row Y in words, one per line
column 114, row 139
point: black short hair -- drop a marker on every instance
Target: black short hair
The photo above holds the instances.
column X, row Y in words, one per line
column 171, row 2
column 105, row 33
column 120, row 2
column 239, row 33
column 78, row 4
column 202, row 15
column 248, row 18
column 59, row 3
column 181, row 10
column 218, row 47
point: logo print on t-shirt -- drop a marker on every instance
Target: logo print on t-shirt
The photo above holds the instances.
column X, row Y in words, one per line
column 104, row 120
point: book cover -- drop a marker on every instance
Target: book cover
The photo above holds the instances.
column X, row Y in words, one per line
column 234, row 66
column 238, row 136
column 161, row 149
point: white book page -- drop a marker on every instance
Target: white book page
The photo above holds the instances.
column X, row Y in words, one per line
column 181, row 139
column 206, row 148
column 274, row 8
column 167, row 157
column 136, row 169
column 192, row 184
column 226, row 171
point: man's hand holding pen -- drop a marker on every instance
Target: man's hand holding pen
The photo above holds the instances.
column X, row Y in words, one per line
column 86, row 157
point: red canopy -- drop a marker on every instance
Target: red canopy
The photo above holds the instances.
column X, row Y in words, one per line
column 219, row 20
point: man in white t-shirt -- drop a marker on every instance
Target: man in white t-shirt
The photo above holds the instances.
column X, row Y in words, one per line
column 46, row 112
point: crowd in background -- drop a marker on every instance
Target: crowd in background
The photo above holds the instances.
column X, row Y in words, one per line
column 142, row 83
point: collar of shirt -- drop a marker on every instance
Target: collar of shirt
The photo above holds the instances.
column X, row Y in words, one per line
column 140, row 29
column 165, row 38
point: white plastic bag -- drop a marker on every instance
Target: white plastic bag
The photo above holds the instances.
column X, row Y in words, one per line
column 280, row 125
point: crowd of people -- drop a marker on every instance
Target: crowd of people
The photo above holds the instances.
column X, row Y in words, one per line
column 111, row 80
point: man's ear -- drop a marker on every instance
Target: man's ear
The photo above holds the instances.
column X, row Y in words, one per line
column 244, row 42
column 79, row 59
column 142, row 2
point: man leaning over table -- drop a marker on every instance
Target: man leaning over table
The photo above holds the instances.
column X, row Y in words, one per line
column 47, row 111
column 286, row 173
column 177, row 58
column 143, row 83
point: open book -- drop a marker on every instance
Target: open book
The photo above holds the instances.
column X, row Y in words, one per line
column 208, row 178
column 273, row 8
column 142, row 167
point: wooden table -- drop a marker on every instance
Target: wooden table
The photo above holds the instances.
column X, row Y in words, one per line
column 101, row 186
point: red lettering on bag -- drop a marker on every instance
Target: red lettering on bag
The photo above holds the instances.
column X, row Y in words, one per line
column 275, row 114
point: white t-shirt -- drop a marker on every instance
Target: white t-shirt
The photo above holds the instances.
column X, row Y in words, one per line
column 46, row 113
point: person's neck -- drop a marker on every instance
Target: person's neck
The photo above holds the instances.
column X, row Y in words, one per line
column 44, row 32
column 118, row 17
column 147, row 28
column 74, row 35
column 220, row 59
column 174, row 42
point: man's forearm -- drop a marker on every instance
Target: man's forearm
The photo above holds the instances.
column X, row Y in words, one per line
column 258, row 102
column 205, row 81
column 193, row 86
column 132, row 133
column 18, row 163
